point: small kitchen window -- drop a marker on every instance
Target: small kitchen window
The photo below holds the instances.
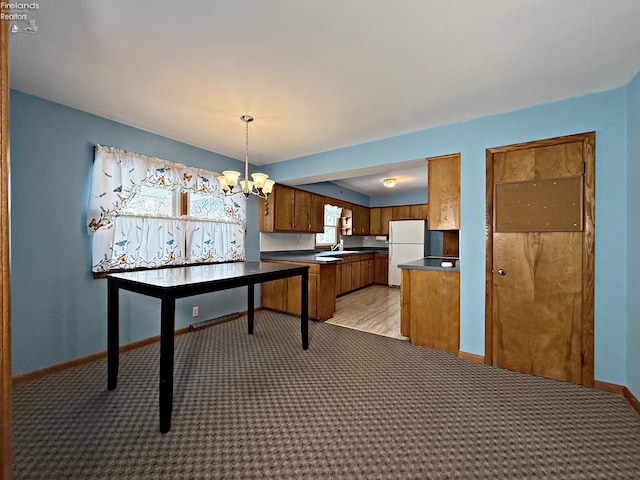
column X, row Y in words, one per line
column 330, row 235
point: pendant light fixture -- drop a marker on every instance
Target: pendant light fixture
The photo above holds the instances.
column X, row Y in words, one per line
column 260, row 185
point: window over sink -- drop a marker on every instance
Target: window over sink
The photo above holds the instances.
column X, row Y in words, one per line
column 330, row 235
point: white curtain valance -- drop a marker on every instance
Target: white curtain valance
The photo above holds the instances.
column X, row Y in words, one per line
column 121, row 240
column 332, row 214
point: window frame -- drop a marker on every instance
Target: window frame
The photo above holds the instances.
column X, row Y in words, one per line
column 324, row 226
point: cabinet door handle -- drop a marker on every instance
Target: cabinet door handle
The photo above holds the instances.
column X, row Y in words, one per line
column 502, row 272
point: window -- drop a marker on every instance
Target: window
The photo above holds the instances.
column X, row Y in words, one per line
column 147, row 213
column 152, row 201
column 330, row 234
column 205, row 206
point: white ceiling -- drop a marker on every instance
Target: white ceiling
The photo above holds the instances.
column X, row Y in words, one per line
column 410, row 176
column 318, row 75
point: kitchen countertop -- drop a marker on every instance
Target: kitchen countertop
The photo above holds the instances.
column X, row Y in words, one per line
column 317, row 256
column 432, row 263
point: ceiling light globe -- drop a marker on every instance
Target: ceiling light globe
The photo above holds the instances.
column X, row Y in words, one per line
column 232, row 177
column 259, row 179
column 247, row 186
column 223, row 183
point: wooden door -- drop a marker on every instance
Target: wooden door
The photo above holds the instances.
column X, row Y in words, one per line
column 540, row 204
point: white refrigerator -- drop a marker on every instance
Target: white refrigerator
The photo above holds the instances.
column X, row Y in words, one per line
column 406, row 243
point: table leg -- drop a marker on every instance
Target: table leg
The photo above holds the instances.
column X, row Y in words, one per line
column 250, row 302
column 304, row 309
column 113, row 334
column 167, row 332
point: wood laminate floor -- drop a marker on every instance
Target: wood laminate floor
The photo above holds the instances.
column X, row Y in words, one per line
column 374, row 309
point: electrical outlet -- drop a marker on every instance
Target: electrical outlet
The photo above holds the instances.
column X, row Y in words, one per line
column 195, row 312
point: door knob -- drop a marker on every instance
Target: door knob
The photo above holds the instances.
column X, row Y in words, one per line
column 502, row 272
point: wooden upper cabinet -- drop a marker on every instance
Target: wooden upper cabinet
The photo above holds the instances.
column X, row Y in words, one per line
column 291, row 210
column 419, row 211
column 317, row 213
column 374, row 220
column 379, row 218
column 360, row 220
column 355, row 220
column 444, row 192
column 386, row 215
column 364, row 222
column 401, row 212
column 302, row 215
column 283, row 210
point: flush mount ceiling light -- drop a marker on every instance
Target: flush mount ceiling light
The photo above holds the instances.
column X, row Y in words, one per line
column 260, row 186
column 389, row 182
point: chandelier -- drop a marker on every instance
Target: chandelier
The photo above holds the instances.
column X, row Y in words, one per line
column 260, row 185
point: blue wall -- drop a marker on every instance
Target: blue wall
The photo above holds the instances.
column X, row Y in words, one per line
column 603, row 112
column 332, row 190
column 633, row 220
column 408, row 198
column 58, row 309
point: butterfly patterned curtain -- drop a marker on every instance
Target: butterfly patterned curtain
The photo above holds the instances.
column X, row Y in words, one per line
column 124, row 238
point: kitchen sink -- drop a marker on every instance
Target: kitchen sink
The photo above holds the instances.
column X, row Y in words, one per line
column 337, row 253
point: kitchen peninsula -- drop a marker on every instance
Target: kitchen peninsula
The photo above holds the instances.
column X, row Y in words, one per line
column 331, row 273
column 430, row 303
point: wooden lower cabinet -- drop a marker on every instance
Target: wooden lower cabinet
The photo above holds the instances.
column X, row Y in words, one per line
column 368, row 270
column 356, row 279
column 381, row 269
column 326, row 282
column 356, row 271
column 430, row 308
column 284, row 294
column 345, row 277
